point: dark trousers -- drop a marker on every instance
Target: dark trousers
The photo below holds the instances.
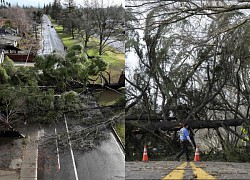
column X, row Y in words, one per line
column 184, row 145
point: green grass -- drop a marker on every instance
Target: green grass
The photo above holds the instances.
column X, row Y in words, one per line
column 114, row 59
column 120, row 129
column 66, row 38
column 107, row 97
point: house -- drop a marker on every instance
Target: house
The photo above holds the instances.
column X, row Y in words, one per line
column 7, row 50
column 9, row 40
column 9, row 31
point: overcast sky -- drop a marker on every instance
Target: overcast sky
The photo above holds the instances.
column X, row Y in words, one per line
column 42, row 2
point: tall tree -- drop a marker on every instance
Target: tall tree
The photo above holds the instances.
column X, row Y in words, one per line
column 191, row 58
column 106, row 19
column 85, row 25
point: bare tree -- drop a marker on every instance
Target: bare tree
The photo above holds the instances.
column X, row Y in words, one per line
column 195, row 55
column 19, row 18
column 85, row 25
column 106, row 18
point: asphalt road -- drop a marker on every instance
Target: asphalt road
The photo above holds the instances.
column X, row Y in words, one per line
column 107, row 161
column 183, row 170
column 50, row 41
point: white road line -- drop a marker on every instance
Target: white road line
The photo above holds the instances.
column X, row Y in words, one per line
column 57, row 151
column 50, row 44
column 70, row 147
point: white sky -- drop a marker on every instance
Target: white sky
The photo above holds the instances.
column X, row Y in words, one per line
column 42, row 2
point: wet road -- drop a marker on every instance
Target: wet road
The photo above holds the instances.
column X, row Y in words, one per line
column 105, row 162
column 56, row 162
column 50, row 41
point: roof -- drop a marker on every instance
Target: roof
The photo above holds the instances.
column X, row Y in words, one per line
column 10, row 37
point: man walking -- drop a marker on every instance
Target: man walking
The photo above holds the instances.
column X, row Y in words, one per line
column 185, row 140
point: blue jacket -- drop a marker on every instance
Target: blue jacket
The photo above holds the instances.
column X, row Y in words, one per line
column 184, row 134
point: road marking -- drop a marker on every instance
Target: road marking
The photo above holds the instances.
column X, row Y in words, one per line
column 177, row 173
column 57, row 151
column 200, row 173
column 50, row 44
column 70, row 147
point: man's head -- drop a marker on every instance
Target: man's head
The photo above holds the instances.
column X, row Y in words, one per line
column 185, row 125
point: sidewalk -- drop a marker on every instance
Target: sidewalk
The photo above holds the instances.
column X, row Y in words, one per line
column 9, row 175
column 29, row 164
column 11, row 153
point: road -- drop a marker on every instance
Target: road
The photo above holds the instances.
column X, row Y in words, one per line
column 114, row 43
column 184, row 170
column 118, row 45
column 50, row 41
column 106, row 161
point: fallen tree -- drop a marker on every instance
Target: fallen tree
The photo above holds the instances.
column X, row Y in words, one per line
column 106, row 82
column 175, row 125
column 195, row 124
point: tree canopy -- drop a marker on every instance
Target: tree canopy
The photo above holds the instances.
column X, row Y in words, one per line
column 42, row 93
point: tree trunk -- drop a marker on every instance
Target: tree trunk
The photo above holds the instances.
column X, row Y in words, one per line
column 100, row 44
column 72, row 32
column 194, row 124
column 87, row 36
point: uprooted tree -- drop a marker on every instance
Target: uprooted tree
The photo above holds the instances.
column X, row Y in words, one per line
column 193, row 67
column 41, row 94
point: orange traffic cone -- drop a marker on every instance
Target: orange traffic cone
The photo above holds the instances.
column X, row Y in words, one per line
column 145, row 155
column 197, row 154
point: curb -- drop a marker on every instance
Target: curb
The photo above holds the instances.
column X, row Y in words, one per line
column 118, row 139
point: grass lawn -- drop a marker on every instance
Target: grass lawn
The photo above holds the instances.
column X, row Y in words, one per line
column 108, row 97
column 114, row 59
column 120, row 129
column 66, row 38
